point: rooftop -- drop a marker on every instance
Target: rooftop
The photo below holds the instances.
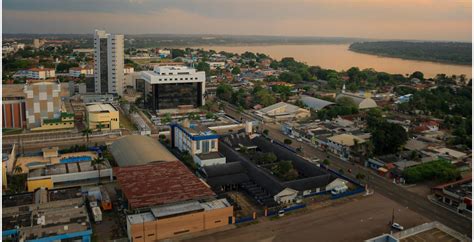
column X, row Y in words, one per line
column 100, row 107
column 160, row 183
column 346, row 139
column 64, row 168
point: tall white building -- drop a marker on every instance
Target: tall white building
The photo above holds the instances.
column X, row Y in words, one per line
column 108, row 62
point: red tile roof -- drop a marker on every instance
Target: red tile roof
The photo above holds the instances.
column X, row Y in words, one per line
column 160, row 183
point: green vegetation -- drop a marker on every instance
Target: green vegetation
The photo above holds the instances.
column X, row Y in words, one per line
column 287, row 141
column 284, row 170
column 16, row 183
column 344, row 106
column 447, row 52
column 441, row 170
column 387, row 138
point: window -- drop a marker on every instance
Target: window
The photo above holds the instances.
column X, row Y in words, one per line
column 218, row 221
column 198, row 145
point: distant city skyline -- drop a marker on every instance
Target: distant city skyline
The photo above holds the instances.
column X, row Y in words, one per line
column 403, row 19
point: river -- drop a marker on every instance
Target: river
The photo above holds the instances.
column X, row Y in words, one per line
column 339, row 57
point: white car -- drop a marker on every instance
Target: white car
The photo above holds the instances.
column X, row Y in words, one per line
column 281, row 213
column 300, row 139
column 397, row 226
column 316, row 160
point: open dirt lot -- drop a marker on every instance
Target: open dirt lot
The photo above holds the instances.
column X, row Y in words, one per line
column 355, row 220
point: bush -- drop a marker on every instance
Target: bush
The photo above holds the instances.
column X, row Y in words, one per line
column 287, row 141
column 440, row 170
column 265, row 131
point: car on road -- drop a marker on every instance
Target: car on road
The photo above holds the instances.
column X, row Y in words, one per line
column 300, row 139
column 291, row 136
column 281, row 213
column 316, row 160
column 397, row 226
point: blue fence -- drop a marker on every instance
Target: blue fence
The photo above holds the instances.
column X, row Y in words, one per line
column 342, row 176
column 243, row 220
column 315, row 193
column 348, row 193
column 294, row 207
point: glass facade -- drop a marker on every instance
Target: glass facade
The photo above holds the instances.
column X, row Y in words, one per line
column 104, row 76
column 168, row 96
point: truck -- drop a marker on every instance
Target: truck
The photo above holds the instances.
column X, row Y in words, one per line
column 339, row 190
column 97, row 214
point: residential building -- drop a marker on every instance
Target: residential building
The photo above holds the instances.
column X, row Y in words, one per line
column 128, row 69
column 216, row 64
column 456, row 195
column 171, row 200
column 172, row 87
column 102, row 116
column 46, row 215
column 283, row 112
column 108, row 62
column 199, row 141
column 78, row 71
column 41, row 73
column 345, row 145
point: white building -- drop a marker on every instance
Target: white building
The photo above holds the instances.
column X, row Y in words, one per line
column 41, row 73
column 108, row 62
column 199, row 141
column 174, row 87
column 78, row 71
column 214, row 64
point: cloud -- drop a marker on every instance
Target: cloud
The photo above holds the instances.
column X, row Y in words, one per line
column 362, row 18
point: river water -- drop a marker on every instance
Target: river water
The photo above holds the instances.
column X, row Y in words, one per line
column 339, row 57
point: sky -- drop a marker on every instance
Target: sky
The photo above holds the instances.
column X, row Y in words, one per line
column 380, row 19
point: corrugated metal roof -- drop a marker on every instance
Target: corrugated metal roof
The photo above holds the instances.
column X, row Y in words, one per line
column 138, row 150
column 315, row 103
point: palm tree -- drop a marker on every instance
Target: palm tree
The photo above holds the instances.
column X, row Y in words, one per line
column 17, row 170
column 86, row 132
column 100, row 126
column 98, row 161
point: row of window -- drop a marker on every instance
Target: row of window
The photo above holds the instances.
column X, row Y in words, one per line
column 181, row 79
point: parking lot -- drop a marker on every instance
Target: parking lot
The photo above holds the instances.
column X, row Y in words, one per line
column 357, row 220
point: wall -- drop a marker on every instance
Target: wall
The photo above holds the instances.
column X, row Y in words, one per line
column 33, row 184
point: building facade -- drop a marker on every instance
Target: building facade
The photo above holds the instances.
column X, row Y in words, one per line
column 41, row 73
column 102, row 116
column 108, row 62
column 171, row 87
column 43, row 101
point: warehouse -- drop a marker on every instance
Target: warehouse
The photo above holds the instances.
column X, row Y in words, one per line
column 168, row 200
column 139, row 150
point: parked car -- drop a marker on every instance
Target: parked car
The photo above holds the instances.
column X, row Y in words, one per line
column 281, row 213
column 299, row 139
column 397, row 226
column 316, row 160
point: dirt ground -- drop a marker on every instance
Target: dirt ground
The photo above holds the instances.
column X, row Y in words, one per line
column 247, row 206
column 357, row 220
column 423, row 189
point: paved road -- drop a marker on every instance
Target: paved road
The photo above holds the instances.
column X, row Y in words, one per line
column 381, row 185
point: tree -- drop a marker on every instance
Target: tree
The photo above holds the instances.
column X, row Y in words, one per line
column 86, row 132
column 166, row 119
column 417, row 74
column 98, row 162
column 387, row 138
column 287, row 141
column 326, row 162
column 177, row 53
column 203, row 66
column 17, row 170
column 99, row 127
column 225, row 92
column 235, row 70
column 265, row 131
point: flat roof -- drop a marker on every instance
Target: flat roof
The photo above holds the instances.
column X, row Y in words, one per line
column 433, row 234
column 64, row 168
column 346, row 139
column 174, row 209
column 160, row 183
column 100, row 107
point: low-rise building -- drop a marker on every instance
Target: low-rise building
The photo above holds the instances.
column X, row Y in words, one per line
column 171, row 201
column 102, row 116
column 456, row 195
column 67, row 174
column 199, row 141
column 41, row 73
column 78, row 71
column 345, row 145
column 46, row 215
column 283, row 112
column 361, row 102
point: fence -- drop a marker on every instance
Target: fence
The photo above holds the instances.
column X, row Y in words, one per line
column 243, row 220
column 345, row 194
column 288, row 209
column 342, row 176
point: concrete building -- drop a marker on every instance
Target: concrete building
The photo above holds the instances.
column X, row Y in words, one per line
column 199, row 141
column 41, row 73
column 456, row 195
column 172, row 87
column 283, row 112
column 102, row 116
column 46, row 215
column 67, row 175
column 13, row 107
column 345, row 144
column 108, row 62
column 43, row 102
column 78, row 71
column 361, row 102
column 172, row 201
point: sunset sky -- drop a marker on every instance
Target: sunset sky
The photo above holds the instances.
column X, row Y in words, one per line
column 384, row 19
